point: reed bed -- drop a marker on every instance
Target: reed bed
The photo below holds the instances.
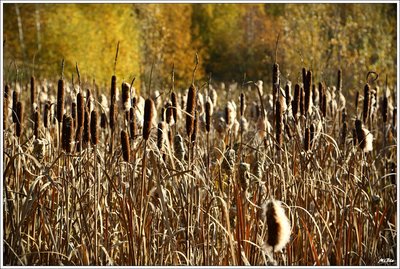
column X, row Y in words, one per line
column 256, row 177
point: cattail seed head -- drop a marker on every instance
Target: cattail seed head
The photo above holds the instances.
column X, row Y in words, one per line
column 394, row 119
column 339, row 80
column 312, row 134
column 125, row 96
column 5, row 105
column 93, row 128
column 19, row 118
column 307, row 139
column 195, row 128
column 161, row 135
column 287, row 95
column 174, row 106
column 278, row 123
column 242, row 104
column 46, row 115
column 296, row 100
column 278, row 226
column 88, row 100
column 190, row 107
column 73, row 113
column 112, row 115
column 307, row 93
column 208, row 114
column 125, row 146
column 113, row 88
column 357, row 96
column 132, row 124
column 367, row 103
column 179, row 148
column 148, row 116
column 364, row 137
column 66, row 135
column 60, row 100
column 103, row 120
column 78, row 138
column 15, row 98
column 33, row 90
column 86, row 129
column 80, row 109
column 169, row 118
column 343, row 133
column 302, row 106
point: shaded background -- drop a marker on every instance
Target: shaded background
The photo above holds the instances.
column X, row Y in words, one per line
column 231, row 39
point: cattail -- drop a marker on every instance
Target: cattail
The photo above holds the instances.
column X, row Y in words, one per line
column 242, row 104
column 354, row 137
column 5, row 105
column 60, row 100
column 278, row 124
column 14, row 106
column 275, row 79
column 195, row 127
column 88, row 100
column 46, row 115
column 125, row 146
column 278, row 226
column 113, row 88
column 86, row 129
column 244, row 175
column 230, row 114
column 162, row 116
column 307, row 139
column 161, row 134
column 169, row 118
column 322, row 96
column 93, row 128
column 132, row 124
column 179, row 148
column 78, row 138
column 339, row 80
column 304, row 75
column 190, row 107
column 287, row 95
column 302, row 106
column 148, row 116
column 296, row 100
column 343, row 133
column 103, row 120
column 208, row 114
column 125, row 95
column 19, row 116
column 357, row 96
column 66, row 134
column 315, row 95
column 312, row 134
column 385, row 109
column 174, row 107
column 73, row 113
column 394, row 119
column 33, row 90
column 36, row 122
column 307, row 92
column 80, row 109
column 112, row 115
column 367, row 103
column 364, row 137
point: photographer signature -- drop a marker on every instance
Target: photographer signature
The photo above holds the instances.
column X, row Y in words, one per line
column 385, row 261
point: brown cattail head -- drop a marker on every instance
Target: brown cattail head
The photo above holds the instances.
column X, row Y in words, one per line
column 86, row 129
column 307, row 92
column 60, row 100
column 88, row 100
column 296, row 100
column 354, row 137
column 190, row 107
column 174, row 106
column 344, row 115
column 80, row 109
column 66, row 135
column 208, row 115
column 385, row 109
column 339, row 80
column 112, row 115
column 315, row 95
column 19, row 116
column 278, row 124
column 78, row 138
column 5, row 105
column 304, row 75
column 169, row 113
column 307, row 139
column 33, row 90
column 312, row 134
column 322, row 98
column 103, row 120
column 302, row 106
column 148, row 116
column 343, row 133
column 394, row 119
column 113, row 88
column 93, row 128
column 278, row 226
column 367, row 102
column 275, row 79
column 132, row 124
column 287, row 95
column 73, row 113
column 242, row 104
column 14, row 106
column 125, row 146
column 125, row 95
column 36, row 123
column 46, row 115
column 195, row 128
column 161, row 135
